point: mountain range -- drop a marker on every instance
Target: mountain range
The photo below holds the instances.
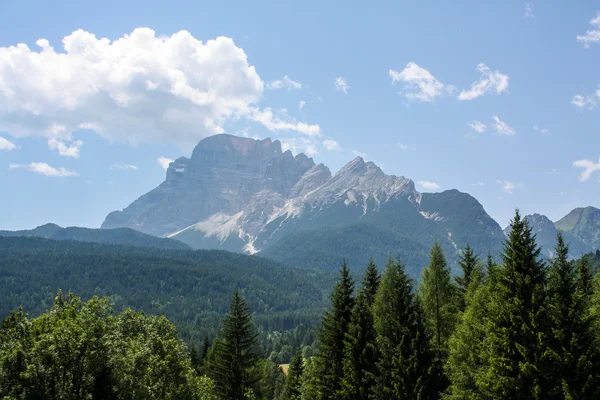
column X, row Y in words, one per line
column 246, row 195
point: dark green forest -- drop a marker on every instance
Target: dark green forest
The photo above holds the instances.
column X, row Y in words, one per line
column 507, row 326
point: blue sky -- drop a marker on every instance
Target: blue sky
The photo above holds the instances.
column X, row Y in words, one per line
column 497, row 99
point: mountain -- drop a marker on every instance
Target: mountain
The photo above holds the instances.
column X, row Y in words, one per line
column 249, row 196
column 584, row 224
column 191, row 288
column 546, row 231
column 123, row 236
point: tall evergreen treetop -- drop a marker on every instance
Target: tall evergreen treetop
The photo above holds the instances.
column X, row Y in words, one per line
column 370, row 282
column 585, row 278
column 468, row 262
column 235, row 354
column 517, row 324
column 292, row 389
column 405, row 362
column 331, row 336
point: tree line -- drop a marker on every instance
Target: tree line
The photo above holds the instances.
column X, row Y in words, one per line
column 515, row 329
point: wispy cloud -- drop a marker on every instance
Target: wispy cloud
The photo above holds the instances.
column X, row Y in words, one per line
column 488, row 81
column 529, row 11
column 428, row 185
column 402, row 146
column 509, row 187
column 331, row 145
column 301, row 104
column 6, row 144
column 360, row 154
column 589, row 101
column 592, row 35
column 164, row 161
column 589, row 167
column 502, row 128
column 419, row 84
column 477, row 126
column 544, row 131
column 341, row 85
column 71, row 150
column 284, row 83
column 45, row 169
column 274, row 122
column 124, row 166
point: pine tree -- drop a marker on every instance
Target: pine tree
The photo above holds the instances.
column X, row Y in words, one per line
column 468, row 262
column 330, row 352
column 405, row 357
column 293, row 383
column 235, row 357
column 467, row 348
column 441, row 306
column 571, row 349
column 360, row 354
column 585, row 278
column 516, row 330
column 370, row 282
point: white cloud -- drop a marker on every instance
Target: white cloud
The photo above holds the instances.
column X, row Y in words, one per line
column 331, row 145
column 509, row 187
column 45, row 169
column 124, row 166
column 427, row 185
column 402, row 146
column 592, row 35
column 6, row 144
column 304, row 145
column 164, row 162
column 529, row 11
column 477, row 126
column 489, row 81
column 360, row 154
column 341, row 85
column 301, row 104
column 138, row 88
column 274, row 123
column 285, row 83
column 71, row 150
column 545, row 131
column 502, row 128
column 419, row 83
column 582, row 101
column 589, row 167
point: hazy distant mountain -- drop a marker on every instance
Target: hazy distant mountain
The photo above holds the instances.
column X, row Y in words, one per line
column 249, row 196
column 546, row 231
column 123, row 236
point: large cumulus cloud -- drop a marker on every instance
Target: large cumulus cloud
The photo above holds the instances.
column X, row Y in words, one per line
column 139, row 88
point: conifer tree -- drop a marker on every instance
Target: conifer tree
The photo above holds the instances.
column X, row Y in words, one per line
column 405, row 357
column 441, row 306
column 468, row 262
column 293, row 383
column 467, row 349
column 360, row 354
column 516, row 326
column 585, row 278
column 370, row 283
column 330, row 353
column 571, row 349
column 234, row 360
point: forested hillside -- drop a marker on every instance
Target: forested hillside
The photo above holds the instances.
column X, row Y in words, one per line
column 191, row 288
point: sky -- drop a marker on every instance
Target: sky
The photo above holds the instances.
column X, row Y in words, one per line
column 497, row 99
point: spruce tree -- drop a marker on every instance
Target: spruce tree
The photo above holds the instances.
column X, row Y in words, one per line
column 468, row 262
column 516, row 330
column 571, row 350
column 370, row 282
column 441, row 306
column 330, row 352
column 360, row 354
column 234, row 360
column 292, row 389
column 467, row 348
column 585, row 278
column 405, row 357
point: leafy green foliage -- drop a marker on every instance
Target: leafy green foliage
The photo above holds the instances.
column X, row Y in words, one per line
column 82, row 350
column 293, row 383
